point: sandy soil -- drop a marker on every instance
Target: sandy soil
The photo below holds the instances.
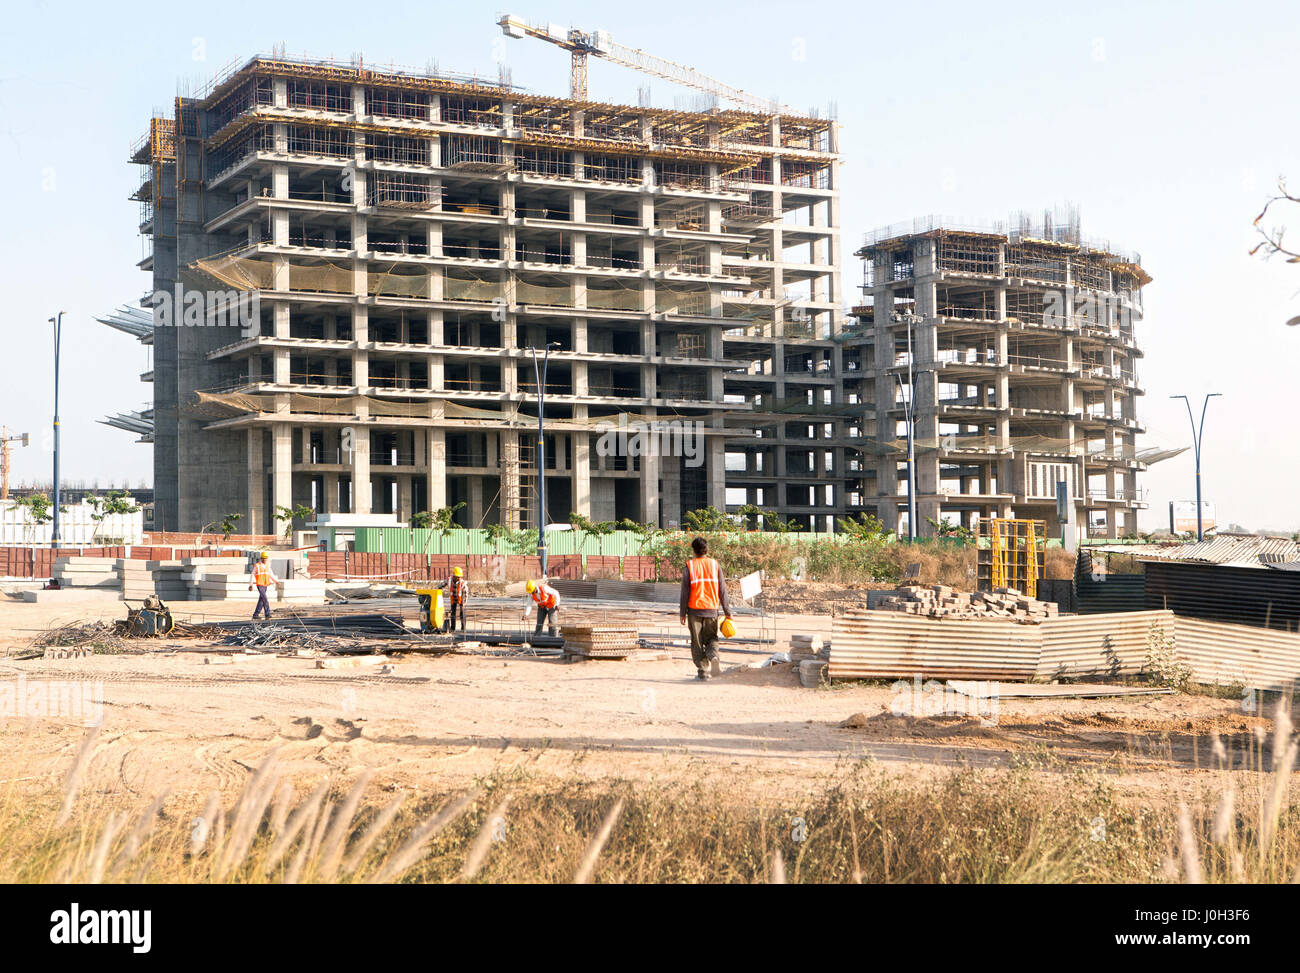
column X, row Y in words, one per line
column 170, row 721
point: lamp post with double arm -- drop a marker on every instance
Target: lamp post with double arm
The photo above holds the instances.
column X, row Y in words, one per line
column 1198, row 433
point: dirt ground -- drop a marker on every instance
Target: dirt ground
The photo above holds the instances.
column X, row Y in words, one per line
column 172, row 721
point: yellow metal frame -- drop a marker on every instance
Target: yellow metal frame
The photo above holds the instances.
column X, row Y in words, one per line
column 1007, row 537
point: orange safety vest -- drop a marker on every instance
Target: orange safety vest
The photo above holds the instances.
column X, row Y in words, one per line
column 704, row 584
column 545, row 596
column 262, row 575
column 457, row 589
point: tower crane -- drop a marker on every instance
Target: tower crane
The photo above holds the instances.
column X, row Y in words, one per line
column 580, row 44
column 5, row 441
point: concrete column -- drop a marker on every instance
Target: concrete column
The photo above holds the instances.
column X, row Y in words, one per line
column 255, row 515
column 650, row 507
column 437, row 470
column 360, row 470
column 716, row 472
column 580, row 446
column 282, row 466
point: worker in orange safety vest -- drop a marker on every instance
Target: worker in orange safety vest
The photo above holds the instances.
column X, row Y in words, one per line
column 547, row 600
column 704, row 594
column 263, row 578
column 457, row 594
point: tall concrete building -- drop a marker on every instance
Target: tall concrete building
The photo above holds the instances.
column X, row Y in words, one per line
column 1022, row 345
column 352, row 270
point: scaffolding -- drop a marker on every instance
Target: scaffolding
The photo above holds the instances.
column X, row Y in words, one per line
column 1010, row 554
column 518, row 482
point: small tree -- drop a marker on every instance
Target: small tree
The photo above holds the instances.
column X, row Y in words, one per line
column 289, row 514
column 646, row 534
column 946, row 528
column 863, row 528
column 584, row 527
column 228, row 524
column 440, row 522
column 711, row 520
column 39, row 511
column 113, row 503
column 772, row 521
column 515, row 541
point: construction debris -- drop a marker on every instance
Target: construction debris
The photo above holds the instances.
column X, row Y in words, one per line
column 352, row 662
column 90, row 636
column 941, row 601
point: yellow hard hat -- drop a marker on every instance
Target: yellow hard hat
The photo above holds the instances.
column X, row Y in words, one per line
column 266, row 556
column 530, row 586
column 456, row 571
column 728, row 628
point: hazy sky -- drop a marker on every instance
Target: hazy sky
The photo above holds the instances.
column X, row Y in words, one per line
column 1167, row 123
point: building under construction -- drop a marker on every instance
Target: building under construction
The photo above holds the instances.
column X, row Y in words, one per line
column 353, row 268
column 1021, row 345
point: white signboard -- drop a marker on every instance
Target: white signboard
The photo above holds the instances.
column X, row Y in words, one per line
column 1182, row 516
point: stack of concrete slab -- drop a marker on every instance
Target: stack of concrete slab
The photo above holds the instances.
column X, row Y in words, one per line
column 222, row 582
column 303, row 590
column 86, row 572
column 140, row 579
column 219, row 584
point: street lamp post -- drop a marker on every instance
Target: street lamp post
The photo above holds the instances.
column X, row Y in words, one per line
column 1197, row 434
column 540, row 376
column 909, row 418
column 58, row 332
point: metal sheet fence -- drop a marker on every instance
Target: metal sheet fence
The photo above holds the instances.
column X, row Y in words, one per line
column 891, row 645
column 461, row 541
column 414, row 568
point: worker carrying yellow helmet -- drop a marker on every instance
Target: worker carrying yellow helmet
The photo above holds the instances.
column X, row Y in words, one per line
column 263, row 578
column 457, row 595
column 547, row 600
column 704, row 595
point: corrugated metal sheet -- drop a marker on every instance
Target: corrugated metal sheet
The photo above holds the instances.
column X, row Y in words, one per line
column 1098, row 591
column 1237, row 655
column 404, row 540
column 1225, row 593
column 1240, row 549
column 1099, row 645
column 893, row 645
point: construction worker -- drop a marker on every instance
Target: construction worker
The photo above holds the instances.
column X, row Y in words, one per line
column 704, row 594
column 547, row 600
column 457, row 594
column 263, row 578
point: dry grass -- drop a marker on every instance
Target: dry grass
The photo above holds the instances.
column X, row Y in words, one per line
column 1058, row 563
column 1017, row 825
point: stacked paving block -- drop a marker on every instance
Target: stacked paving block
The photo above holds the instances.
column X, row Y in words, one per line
column 941, row 601
column 600, row 641
column 809, row 655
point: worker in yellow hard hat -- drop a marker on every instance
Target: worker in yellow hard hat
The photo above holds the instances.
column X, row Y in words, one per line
column 263, row 578
column 547, row 600
column 457, row 594
column 704, row 595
